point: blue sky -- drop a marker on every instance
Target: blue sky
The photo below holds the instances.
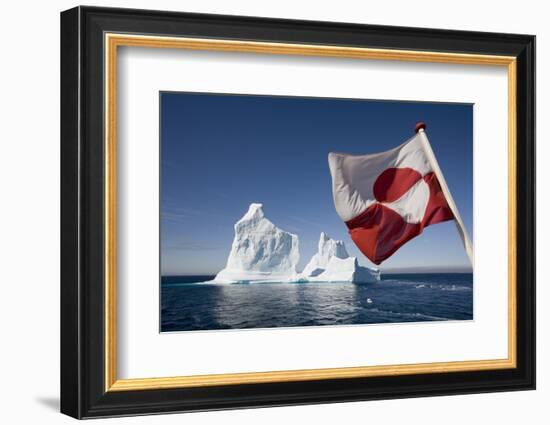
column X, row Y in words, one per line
column 219, row 153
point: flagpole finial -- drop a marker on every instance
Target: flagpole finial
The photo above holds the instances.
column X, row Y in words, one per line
column 420, row 126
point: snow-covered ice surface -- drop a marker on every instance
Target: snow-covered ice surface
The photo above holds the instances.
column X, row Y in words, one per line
column 261, row 252
column 332, row 263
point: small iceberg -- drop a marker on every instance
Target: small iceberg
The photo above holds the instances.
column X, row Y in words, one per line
column 332, row 263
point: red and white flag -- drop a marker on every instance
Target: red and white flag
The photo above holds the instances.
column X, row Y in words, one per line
column 387, row 198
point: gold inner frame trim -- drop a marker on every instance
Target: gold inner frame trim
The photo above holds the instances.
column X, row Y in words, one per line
column 113, row 41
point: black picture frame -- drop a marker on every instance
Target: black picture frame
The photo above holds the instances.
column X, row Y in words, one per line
column 83, row 392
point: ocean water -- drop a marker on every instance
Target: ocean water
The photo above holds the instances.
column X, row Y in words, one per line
column 187, row 305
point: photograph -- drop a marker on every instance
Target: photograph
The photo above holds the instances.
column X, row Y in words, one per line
column 263, row 209
column 288, row 211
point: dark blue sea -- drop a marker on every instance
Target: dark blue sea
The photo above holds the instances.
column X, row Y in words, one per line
column 189, row 306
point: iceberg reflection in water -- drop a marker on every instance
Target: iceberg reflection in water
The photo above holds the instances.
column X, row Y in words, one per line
column 189, row 304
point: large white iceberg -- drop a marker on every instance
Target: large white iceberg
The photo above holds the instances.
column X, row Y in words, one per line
column 261, row 252
column 332, row 263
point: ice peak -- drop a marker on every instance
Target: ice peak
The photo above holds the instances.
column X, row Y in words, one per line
column 255, row 212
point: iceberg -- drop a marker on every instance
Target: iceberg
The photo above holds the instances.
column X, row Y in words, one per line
column 332, row 263
column 261, row 252
column 327, row 248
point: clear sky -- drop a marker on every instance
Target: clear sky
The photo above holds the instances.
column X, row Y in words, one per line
column 219, row 153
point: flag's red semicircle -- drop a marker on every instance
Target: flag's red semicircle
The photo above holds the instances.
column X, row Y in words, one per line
column 380, row 231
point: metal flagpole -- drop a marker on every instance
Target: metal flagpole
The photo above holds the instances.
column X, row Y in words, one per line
column 435, row 166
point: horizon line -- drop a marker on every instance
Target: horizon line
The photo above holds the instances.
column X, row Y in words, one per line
column 404, row 270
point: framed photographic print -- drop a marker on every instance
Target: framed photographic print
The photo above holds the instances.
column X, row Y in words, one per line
column 261, row 212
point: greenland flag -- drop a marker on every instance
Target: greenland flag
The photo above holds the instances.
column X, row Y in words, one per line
column 387, row 198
